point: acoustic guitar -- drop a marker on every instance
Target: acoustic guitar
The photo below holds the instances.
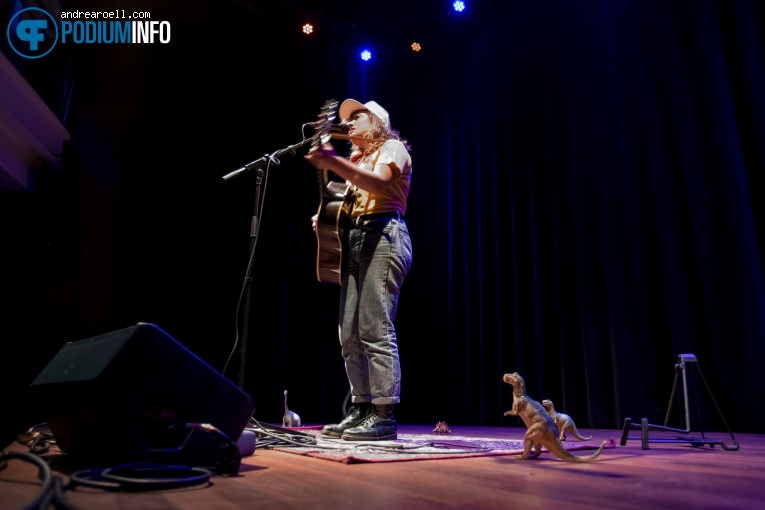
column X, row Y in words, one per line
column 335, row 202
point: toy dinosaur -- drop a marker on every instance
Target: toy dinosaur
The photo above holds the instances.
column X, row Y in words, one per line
column 541, row 427
column 564, row 422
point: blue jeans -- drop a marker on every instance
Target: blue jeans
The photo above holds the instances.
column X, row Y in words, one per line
column 379, row 254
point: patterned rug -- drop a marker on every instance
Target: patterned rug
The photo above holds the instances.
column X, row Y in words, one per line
column 409, row 447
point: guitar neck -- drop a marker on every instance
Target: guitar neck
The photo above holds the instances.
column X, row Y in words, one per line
column 322, row 135
column 323, row 179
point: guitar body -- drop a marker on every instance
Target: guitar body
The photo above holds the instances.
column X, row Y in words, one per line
column 332, row 219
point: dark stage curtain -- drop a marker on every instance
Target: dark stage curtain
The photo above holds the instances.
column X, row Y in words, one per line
column 585, row 208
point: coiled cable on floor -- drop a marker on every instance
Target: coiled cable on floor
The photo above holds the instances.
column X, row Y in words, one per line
column 140, row 476
column 51, row 488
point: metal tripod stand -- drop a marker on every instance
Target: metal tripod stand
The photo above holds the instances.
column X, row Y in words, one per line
column 645, row 427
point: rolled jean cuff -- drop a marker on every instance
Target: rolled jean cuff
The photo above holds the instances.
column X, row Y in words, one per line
column 385, row 401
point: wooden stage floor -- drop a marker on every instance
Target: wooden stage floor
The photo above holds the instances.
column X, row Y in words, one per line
column 664, row 476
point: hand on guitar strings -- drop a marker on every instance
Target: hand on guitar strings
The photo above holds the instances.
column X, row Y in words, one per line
column 319, row 156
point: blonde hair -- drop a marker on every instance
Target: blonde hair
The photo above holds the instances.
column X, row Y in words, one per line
column 380, row 132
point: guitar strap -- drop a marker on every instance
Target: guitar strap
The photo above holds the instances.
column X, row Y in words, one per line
column 374, row 164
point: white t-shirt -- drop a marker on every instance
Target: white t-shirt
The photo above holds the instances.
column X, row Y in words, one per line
column 394, row 154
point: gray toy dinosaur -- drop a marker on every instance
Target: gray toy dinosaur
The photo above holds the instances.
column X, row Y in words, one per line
column 563, row 422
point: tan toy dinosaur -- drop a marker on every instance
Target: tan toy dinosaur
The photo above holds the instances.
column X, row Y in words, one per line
column 541, row 427
column 563, row 422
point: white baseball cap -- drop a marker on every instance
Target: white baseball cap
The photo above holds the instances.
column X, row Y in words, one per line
column 351, row 105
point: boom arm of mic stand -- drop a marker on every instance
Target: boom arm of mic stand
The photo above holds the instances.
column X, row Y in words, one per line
column 258, row 163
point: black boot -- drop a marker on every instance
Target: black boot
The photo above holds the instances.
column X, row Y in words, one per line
column 356, row 413
column 378, row 425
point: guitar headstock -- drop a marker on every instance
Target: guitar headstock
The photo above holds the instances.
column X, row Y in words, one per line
column 324, row 123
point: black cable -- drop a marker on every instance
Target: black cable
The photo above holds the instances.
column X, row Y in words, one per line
column 250, row 261
column 282, row 436
column 281, row 439
column 44, row 474
column 278, row 428
column 41, row 444
column 141, row 476
column 38, row 442
column 449, row 448
column 92, row 478
column 56, row 497
column 138, row 476
column 229, row 458
column 125, row 477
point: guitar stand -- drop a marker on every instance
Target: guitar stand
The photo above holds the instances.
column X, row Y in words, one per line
column 645, row 427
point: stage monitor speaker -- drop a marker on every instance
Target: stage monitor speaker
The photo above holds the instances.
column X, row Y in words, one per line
column 137, row 395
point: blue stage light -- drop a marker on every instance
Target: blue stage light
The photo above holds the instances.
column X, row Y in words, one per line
column 459, row 6
column 366, row 55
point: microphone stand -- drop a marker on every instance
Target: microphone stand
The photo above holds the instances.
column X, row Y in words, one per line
column 256, row 165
